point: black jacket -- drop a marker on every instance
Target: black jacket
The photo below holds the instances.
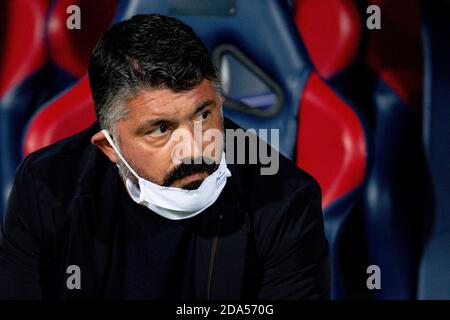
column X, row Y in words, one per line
column 264, row 237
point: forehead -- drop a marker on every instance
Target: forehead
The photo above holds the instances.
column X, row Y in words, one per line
column 165, row 102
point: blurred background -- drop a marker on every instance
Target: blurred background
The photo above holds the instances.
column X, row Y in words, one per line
column 359, row 89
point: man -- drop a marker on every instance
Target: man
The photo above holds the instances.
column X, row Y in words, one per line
column 134, row 208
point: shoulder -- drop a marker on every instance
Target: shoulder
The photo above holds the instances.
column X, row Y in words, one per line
column 271, row 181
column 73, row 146
column 56, row 170
column 286, row 201
column 268, row 197
column 284, row 211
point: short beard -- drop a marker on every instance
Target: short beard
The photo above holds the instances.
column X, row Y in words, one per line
column 124, row 172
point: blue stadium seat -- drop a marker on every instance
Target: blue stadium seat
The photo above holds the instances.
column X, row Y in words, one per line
column 434, row 276
column 395, row 194
column 238, row 24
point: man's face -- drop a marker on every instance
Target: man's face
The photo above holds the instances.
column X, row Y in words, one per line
column 155, row 117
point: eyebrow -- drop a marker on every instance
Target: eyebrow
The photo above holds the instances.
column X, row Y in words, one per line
column 204, row 105
column 142, row 128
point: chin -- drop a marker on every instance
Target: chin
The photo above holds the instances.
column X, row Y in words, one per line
column 192, row 185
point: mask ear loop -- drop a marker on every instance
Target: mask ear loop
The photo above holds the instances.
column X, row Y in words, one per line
column 111, row 142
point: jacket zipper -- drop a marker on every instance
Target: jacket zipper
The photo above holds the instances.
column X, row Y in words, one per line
column 211, row 260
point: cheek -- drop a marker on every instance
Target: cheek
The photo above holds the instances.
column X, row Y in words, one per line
column 158, row 165
column 152, row 163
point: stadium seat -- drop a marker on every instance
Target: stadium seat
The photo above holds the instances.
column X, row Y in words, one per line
column 434, row 275
column 334, row 147
column 70, row 112
column 237, row 25
column 331, row 31
column 70, row 49
column 41, row 58
column 330, row 130
column 22, row 61
column 392, row 207
column 395, row 194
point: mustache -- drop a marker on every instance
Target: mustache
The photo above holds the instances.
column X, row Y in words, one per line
column 189, row 167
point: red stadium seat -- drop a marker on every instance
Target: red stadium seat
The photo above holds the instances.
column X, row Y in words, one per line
column 69, row 52
column 23, row 49
column 22, row 63
column 69, row 113
column 331, row 31
column 331, row 144
column 70, row 49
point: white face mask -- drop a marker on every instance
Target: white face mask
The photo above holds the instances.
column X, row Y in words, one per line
column 176, row 203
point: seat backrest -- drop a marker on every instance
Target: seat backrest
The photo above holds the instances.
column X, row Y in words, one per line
column 238, row 24
column 332, row 142
column 330, row 133
column 23, row 50
column 331, row 31
column 434, row 278
column 70, row 49
column 22, row 60
column 401, row 69
column 69, row 52
column 333, row 145
column 393, row 202
column 69, row 113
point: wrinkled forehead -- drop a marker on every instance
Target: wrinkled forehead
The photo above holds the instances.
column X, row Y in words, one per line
column 164, row 102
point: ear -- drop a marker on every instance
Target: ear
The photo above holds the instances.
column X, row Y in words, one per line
column 99, row 140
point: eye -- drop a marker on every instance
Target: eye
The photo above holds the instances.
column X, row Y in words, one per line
column 204, row 115
column 160, row 130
